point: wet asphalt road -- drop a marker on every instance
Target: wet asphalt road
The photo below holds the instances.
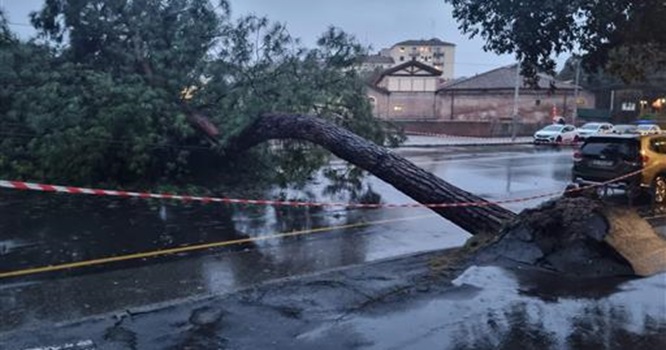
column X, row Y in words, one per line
column 45, row 229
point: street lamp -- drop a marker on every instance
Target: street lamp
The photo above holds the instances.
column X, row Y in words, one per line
column 575, row 112
column 516, row 91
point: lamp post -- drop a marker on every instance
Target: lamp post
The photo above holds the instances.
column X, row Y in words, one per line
column 575, row 111
column 516, row 91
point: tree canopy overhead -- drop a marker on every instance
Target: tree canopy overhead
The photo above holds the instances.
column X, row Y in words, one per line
column 112, row 90
column 624, row 37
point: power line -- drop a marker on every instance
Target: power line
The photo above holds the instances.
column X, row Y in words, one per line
column 19, row 24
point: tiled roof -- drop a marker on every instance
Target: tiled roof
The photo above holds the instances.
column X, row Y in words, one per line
column 424, row 42
column 446, row 83
column 379, row 59
column 503, row 78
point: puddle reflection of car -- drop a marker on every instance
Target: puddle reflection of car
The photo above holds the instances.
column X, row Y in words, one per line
column 624, row 129
column 649, row 129
column 555, row 134
column 602, row 158
column 594, row 129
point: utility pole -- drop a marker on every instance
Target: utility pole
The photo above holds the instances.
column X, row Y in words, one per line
column 516, row 92
column 575, row 112
column 612, row 101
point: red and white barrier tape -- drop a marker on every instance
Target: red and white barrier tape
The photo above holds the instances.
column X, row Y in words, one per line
column 20, row 185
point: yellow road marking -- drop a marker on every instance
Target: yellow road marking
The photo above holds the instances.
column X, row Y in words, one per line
column 150, row 254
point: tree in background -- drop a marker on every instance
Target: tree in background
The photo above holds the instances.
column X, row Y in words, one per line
column 117, row 92
column 624, row 37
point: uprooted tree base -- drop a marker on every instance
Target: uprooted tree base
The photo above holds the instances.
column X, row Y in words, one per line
column 577, row 236
column 566, row 235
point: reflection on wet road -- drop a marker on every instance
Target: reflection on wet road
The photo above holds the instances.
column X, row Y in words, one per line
column 39, row 229
column 496, row 308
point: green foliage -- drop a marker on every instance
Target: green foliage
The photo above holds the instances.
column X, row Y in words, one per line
column 6, row 36
column 624, row 36
column 98, row 99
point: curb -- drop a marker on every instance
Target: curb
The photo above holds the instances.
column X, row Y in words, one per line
column 466, row 145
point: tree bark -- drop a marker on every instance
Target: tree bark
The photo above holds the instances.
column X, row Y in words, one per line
column 402, row 174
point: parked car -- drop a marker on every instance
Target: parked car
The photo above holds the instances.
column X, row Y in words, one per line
column 625, row 129
column 648, row 129
column 594, row 128
column 556, row 133
column 605, row 157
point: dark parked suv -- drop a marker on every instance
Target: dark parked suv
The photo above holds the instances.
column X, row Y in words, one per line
column 605, row 157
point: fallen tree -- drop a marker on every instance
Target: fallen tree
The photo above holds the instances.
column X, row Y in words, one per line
column 402, row 174
column 568, row 235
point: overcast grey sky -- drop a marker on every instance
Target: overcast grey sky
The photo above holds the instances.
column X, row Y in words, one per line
column 377, row 23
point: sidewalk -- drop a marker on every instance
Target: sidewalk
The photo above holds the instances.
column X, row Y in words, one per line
column 423, row 301
column 450, row 140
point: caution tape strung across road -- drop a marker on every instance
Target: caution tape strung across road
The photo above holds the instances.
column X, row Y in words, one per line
column 20, row 185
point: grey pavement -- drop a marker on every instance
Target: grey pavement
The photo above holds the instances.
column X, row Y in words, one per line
column 406, row 303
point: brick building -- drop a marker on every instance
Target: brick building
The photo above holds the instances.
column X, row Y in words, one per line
column 415, row 92
column 490, row 96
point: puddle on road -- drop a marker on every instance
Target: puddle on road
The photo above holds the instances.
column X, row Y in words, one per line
column 494, row 308
column 46, row 229
column 38, row 229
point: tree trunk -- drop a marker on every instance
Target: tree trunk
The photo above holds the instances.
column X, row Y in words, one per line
column 408, row 178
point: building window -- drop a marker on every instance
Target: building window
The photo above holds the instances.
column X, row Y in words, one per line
column 373, row 100
column 537, row 102
column 402, row 58
column 628, row 106
column 402, row 49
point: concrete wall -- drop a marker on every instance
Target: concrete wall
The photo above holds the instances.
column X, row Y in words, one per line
column 492, row 106
column 475, row 129
column 533, row 107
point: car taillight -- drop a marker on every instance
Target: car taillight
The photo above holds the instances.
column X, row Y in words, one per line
column 577, row 156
